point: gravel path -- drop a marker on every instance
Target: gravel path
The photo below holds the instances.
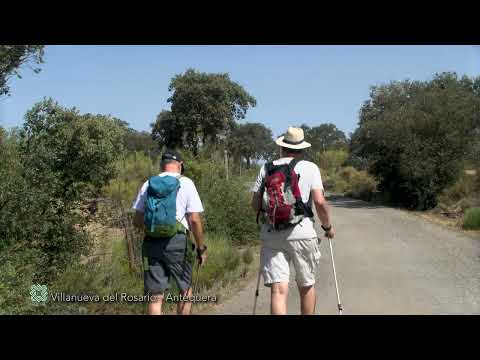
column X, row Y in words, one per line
column 388, row 262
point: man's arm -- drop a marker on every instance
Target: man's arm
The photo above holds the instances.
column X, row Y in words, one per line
column 196, row 227
column 323, row 211
column 256, row 202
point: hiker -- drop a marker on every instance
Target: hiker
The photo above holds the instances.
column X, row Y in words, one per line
column 168, row 207
column 284, row 192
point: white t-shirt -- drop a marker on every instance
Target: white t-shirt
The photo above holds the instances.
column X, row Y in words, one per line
column 310, row 179
column 188, row 200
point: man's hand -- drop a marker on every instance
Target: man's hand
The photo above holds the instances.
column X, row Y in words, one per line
column 195, row 223
column 202, row 255
column 330, row 234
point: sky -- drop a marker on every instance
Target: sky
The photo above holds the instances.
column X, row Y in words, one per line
column 292, row 84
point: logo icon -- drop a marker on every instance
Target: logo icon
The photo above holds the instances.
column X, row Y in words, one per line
column 39, row 293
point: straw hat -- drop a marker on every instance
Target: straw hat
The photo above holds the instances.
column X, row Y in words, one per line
column 293, row 139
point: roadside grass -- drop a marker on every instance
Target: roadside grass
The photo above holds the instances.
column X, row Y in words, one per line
column 233, row 282
column 472, row 219
column 226, row 269
column 454, row 224
column 108, row 276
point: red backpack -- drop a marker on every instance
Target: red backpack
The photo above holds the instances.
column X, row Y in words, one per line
column 281, row 198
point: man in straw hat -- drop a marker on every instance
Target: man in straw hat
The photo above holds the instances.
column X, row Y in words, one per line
column 288, row 236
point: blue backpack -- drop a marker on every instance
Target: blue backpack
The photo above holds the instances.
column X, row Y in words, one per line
column 161, row 207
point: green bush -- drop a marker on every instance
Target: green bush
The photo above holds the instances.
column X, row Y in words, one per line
column 332, row 159
column 226, row 202
column 336, row 184
column 347, row 173
column 341, row 186
column 463, row 188
column 329, row 183
column 222, row 259
column 358, row 162
column 362, row 185
column 132, row 172
column 352, row 182
column 247, row 256
column 415, row 134
column 471, row 220
column 47, row 169
column 16, row 278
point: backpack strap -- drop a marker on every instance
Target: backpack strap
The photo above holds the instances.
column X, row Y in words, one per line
column 268, row 168
column 288, row 175
column 293, row 163
column 303, row 207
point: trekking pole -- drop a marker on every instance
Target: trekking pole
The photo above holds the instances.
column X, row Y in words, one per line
column 195, row 282
column 340, row 309
column 256, row 292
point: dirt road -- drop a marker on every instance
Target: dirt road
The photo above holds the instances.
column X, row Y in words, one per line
column 388, row 262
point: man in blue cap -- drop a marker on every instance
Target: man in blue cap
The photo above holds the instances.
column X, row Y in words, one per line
column 165, row 258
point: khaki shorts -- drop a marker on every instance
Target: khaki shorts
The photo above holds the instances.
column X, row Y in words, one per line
column 275, row 259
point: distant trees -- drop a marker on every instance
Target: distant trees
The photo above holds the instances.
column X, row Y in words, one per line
column 168, row 132
column 13, row 57
column 250, row 141
column 415, row 135
column 140, row 141
column 324, row 137
column 203, row 106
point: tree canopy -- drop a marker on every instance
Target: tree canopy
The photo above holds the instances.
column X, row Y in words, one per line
column 13, row 57
column 415, row 135
column 250, row 141
column 324, row 137
column 203, row 106
column 168, row 132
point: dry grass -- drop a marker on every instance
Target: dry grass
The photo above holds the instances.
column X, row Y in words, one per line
column 227, row 290
column 452, row 224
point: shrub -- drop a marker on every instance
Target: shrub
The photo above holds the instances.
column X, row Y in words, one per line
column 414, row 133
column 329, row 184
column 332, row 159
column 461, row 189
column 55, row 161
column 132, row 172
column 341, row 186
column 222, row 259
column 362, row 185
column 16, row 278
column 247, row 256
column 471, row 220
column 226, row 203
column 358, row 162
column 346, row 173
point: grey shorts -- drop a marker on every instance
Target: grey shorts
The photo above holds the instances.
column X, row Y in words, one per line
column 275, row 259
column 164, row 259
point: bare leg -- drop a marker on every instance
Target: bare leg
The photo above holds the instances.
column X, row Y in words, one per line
column 185, row 307
column 155, row 305
column 279, row 295
column 307, row 299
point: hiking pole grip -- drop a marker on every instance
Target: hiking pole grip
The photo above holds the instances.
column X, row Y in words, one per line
column 340, row 308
